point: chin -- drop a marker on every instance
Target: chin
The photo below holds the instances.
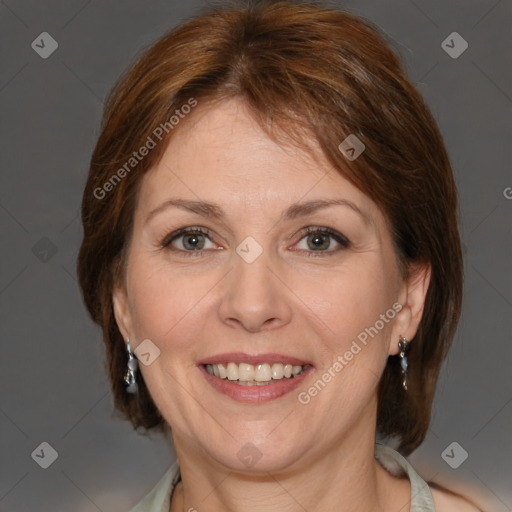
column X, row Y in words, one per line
column 259, row 450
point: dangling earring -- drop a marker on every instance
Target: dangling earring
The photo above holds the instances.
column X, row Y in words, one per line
column 132, row 365
column 402, row 346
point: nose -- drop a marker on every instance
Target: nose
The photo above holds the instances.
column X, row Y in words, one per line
column 254, row 296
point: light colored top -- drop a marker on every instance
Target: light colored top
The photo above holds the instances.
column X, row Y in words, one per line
column 159, row 498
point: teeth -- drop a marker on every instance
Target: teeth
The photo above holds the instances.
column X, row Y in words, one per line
column 263, row 373
column 222, row 371
column 250, row 375
column 245, row 372
column 296, row 370
column 232, row 371
column 277, row 371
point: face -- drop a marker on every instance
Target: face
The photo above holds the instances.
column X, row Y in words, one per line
column 251, row 261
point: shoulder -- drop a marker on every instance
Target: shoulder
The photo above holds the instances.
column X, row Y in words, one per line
column 447, row 501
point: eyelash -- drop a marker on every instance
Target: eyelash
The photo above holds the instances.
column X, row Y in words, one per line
column 338, row 237
column 166, row 242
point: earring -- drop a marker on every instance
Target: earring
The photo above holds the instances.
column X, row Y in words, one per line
column 402, row 346
column 132, row 365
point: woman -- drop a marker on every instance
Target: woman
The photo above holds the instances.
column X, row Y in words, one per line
column 271, row 249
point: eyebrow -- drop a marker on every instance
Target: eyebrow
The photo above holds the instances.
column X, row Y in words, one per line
column 294, row 211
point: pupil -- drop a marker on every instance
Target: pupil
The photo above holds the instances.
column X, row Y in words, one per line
column 318, row 241
column 193, row 241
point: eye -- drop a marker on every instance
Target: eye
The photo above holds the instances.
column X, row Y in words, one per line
column 320, row 240
column 189, row 240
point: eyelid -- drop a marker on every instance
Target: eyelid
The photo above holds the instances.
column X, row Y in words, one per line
column 169, row 238
column 341, row 239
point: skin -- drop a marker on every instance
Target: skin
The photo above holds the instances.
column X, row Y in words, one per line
column 290, row 300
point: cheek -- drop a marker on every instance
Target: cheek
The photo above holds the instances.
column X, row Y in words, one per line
column 351, row 301
column 164, row 305
column 355, row 347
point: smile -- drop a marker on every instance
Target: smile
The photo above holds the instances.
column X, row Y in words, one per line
column 254, row 378
column 246, row 374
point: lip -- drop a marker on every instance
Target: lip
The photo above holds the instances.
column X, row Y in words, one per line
column 240, row 357
column 254, row 394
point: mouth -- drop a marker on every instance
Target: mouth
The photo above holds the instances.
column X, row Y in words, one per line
column 262, row 374
column 254, row 379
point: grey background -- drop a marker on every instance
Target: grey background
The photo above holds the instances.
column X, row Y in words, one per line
column 52, row 379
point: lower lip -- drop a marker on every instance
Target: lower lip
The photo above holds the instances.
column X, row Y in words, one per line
column 255, row 394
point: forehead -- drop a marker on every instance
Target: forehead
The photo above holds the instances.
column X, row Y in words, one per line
column 221, row 154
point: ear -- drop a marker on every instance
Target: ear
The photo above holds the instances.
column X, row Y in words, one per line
column 411, row 297
column 122, row 311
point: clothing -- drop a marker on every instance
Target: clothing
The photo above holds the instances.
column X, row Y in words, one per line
column 158, row 499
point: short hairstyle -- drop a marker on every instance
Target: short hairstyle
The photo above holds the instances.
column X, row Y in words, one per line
column 303, row 69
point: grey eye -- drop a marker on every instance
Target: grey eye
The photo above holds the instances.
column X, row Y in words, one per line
column 318, row 241
column 189, row 240
column 194, row 241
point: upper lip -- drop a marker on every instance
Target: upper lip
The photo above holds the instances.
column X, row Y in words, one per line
column 240, row 357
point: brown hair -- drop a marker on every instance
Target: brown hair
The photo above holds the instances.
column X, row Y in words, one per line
column 300, row 67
